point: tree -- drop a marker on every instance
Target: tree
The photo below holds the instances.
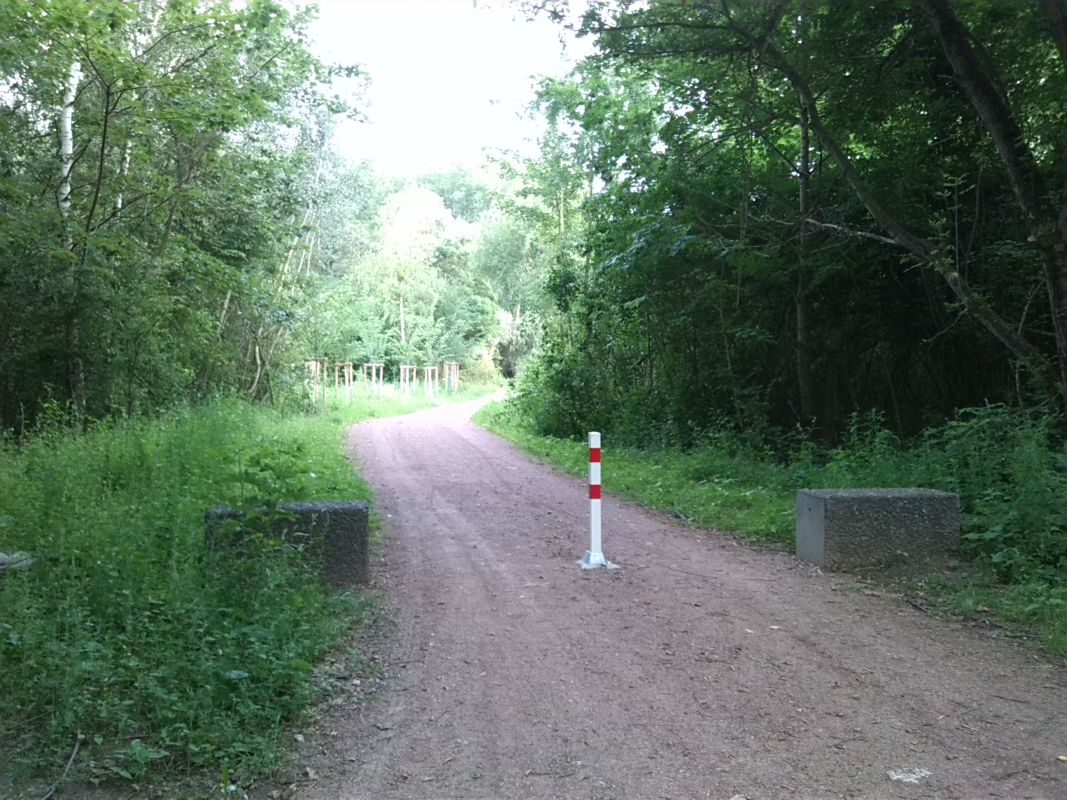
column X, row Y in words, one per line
column 791, row 217
column 463, row 195
column 764, row 39
column 134, row 259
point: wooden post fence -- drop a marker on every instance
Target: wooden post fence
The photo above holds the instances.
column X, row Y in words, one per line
column 409, row 378
column 452, row 376
column 375, row 373
column 431, row 376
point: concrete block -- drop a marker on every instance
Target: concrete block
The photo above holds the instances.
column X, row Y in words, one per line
column 850, row 528
column 336, row 534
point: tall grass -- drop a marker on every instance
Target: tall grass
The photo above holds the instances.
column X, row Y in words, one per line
column 1009, row 473
column 129, row 636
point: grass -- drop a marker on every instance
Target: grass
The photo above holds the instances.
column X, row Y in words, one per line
column 131, row 640
column 706, row 487
column 1009, row 478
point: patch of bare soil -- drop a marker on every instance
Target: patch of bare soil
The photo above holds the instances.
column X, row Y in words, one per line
column 700, row 669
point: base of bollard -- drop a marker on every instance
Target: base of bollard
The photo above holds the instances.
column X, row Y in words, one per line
column 595, row 561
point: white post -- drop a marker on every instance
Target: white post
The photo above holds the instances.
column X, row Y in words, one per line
column 594, row 556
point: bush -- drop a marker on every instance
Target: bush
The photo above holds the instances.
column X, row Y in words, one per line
column 129, row 633
column 1011, row 482
column 1009, row 476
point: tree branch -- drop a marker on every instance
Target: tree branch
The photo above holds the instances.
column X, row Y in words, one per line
column 829, row 226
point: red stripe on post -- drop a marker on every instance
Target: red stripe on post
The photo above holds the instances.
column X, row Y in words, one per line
column 594, row 455
column 594, row 491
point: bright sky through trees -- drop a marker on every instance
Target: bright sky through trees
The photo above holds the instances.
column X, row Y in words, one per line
column 448, row 78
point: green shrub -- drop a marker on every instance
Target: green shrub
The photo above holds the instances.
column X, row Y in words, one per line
column 129, row 632
column 1002, row 463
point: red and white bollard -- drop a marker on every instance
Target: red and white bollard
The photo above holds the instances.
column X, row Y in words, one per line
column 594, row 556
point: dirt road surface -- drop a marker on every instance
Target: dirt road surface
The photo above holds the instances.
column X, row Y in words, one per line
column 700, row 669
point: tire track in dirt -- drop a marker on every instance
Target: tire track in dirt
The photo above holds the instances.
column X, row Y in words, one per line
column 700, row 669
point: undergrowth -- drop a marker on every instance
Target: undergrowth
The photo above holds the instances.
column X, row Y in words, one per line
column 1010, row 476
column 131, row 640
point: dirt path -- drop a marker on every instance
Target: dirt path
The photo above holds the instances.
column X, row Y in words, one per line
column 699, row 669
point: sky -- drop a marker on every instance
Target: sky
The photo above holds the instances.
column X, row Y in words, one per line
column 448, row 78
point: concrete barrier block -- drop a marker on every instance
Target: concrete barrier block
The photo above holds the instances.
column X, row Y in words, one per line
column 850, row 528
column 337, row 534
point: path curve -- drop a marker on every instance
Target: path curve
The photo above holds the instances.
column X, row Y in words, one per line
column 701, row 669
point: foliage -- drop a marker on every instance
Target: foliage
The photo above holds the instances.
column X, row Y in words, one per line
column 432, row 285
column 465, row 196
column 166, row 263
column 129, row 634
column 783, row 214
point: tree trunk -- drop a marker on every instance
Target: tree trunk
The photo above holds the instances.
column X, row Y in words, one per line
column 71, row 326
column 66, row 148
column 805, row 380
column 124, row 171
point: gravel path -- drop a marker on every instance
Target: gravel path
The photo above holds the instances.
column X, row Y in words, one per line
column 701, row 668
